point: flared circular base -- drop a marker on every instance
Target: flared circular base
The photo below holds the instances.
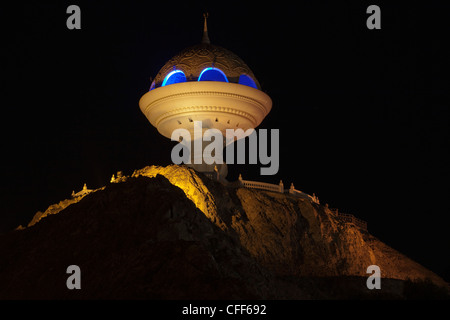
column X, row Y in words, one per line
column 218, row 105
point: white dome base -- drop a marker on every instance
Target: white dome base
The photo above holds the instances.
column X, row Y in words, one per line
column 219, row 105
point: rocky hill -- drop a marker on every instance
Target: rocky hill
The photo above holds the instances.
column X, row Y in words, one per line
column 172, row 233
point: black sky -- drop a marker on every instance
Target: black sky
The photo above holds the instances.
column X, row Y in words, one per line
column 363, row 114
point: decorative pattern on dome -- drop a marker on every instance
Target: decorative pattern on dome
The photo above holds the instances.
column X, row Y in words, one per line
column 193, row 60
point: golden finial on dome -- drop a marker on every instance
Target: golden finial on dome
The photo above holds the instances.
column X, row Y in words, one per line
column 205, row 38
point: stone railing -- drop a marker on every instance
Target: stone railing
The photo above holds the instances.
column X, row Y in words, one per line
column 300, row 194
column 276, row 188
column 297, row 193
column 346, row 217
column 262, row 185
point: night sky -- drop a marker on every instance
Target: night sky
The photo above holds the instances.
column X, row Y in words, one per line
column 363, row 114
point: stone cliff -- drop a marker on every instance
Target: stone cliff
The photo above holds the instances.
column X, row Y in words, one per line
column 171, row 233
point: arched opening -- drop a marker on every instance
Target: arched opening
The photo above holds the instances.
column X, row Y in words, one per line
column 175, row 76
column 212, row 74
column 247, row 81
column 152, row 85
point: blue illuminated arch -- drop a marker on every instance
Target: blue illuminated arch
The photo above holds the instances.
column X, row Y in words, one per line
column 153, row 85
column 212, row 74
column 247, row 81
column 175, row 76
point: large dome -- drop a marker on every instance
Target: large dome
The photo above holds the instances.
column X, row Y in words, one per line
column 192, row 63
column 205, row 87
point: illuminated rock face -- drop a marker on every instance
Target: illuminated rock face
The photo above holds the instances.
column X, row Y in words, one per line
column 205, row 83
column 191, row 184
column 57, row 207
column 171, row 225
